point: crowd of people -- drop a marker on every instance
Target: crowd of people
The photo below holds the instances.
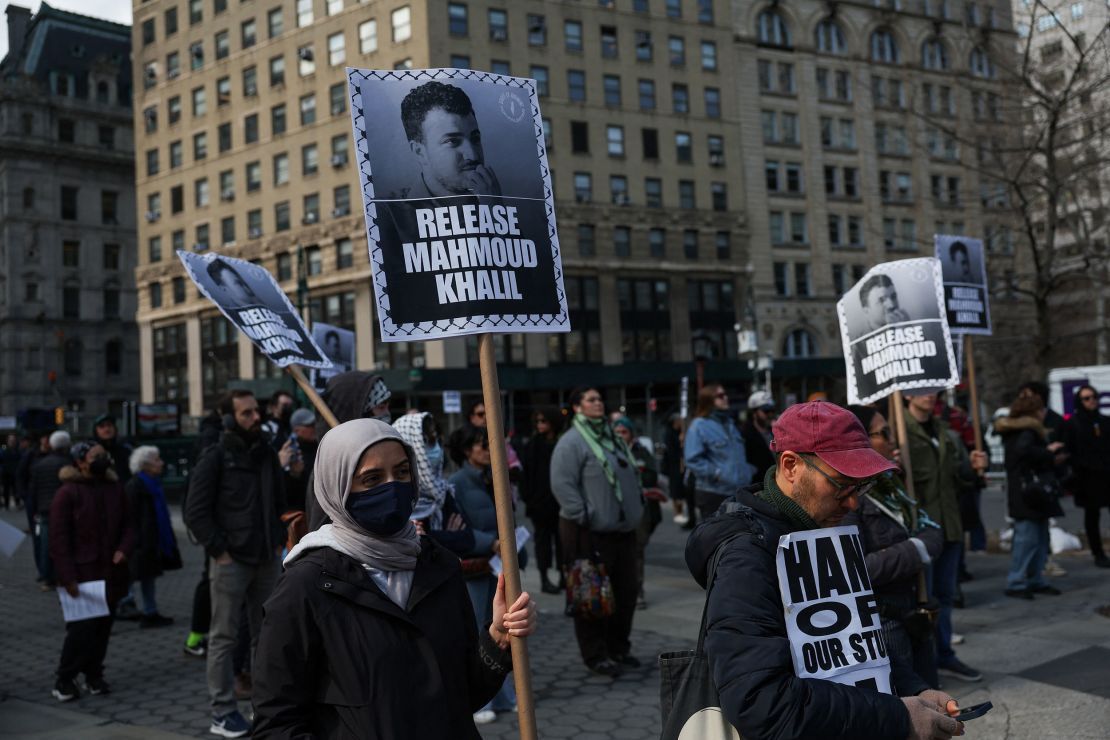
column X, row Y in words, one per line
column 332, row 555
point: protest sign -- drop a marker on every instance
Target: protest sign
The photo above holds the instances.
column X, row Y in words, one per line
column 965, row 284
column 460, row 216
column 894, row 331
column 250, row 298
column 452, row 402
column 832, row 615
column 339, row 347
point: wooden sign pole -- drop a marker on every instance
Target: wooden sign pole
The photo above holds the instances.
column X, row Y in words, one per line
column 907, row 468
column 506, row 530
column 321, row 407
column 976, row 423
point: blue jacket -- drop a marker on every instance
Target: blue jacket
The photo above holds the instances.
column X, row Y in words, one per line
column 474, row 498
column 715, row 455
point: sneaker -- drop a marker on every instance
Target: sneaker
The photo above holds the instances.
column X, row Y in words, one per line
column 231, row 724
column 1053, row 570
column 605, row 667
column 65, row 689
column 681, row 519
column 484, row 717
column 957, row 639
column 98, row 686
column 955, row 669
column 1046, row 589
column 199, row 650
column 1019, row 593
column 154, row 620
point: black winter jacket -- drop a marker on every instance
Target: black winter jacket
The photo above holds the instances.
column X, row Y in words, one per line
column 337, row 659
column 45, row 481
column 749, row 652
column 1087, row 436
column 1026, row 454
column 235, row 500
column 147, row 561
column 757, row 451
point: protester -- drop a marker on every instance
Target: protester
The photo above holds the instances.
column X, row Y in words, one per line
column 715, row 451
column 1087, row 435
column 473, row 484
column 757, row 433
column 279, row 411
column 393, row 656
column 652, row 513
column 1053, row 421
column 37, row 445
column 297, row 456
column 1030, row 462
column 106, row 435
column 825, row 462
column 44, row 485
column 937, row 484
column 476, row 419
column 540, row 503
column 235, row 499
column 595, row 481
column 90, row 540
column 155, row 544
column 674, row 466
column 351, row 395
column 436, row 513
column 900, row 541
column 196, row 642
column 9, row 463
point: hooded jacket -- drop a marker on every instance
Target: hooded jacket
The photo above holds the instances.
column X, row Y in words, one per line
column 236, row 498
column 1087, row 436
column 337, row 659
column 89, row 522
column 346, row 396
column 1025, row 441
column 747, row 645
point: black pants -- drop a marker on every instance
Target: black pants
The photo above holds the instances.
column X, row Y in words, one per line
column 546, row 536
column 84, row 648
column 599, row 639
column 202, row 604
column 1094, row 534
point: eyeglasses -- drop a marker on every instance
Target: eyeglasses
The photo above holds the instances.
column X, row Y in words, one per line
column 1087, row 398
column 885, row 433
column 844, row 490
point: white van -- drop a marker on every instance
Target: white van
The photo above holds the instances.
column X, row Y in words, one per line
column 1063, row 382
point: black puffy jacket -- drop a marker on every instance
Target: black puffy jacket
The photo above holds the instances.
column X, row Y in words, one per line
column 45, row 481
column 337, row 659
column 749, row 652
column 1027, row 454
column 236, row 498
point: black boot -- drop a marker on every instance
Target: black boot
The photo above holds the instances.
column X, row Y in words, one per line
column 546, row 585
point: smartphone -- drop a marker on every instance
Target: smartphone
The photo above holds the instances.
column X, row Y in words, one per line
column 973, row 712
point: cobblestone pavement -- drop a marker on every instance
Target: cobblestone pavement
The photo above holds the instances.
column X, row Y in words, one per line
column 1046, row 664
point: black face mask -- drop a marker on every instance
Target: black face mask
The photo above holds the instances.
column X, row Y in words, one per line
column 382, row 510
column 100, row 465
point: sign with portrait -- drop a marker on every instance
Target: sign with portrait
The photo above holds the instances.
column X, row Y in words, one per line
column 339, row 347
column 460, row 216
column 832, row 615
column 251, row 299
column 964, row 268
column 894, row 331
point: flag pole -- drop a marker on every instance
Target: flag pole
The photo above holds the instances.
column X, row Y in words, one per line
column 313, row 396
column 907, row 469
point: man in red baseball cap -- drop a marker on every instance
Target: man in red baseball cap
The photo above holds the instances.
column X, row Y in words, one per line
column 824, row 463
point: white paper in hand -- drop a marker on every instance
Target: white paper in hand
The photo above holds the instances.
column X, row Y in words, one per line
column 90, row 602
column 522, row 536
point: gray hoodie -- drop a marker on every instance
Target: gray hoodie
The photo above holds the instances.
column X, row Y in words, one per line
column 578, row 481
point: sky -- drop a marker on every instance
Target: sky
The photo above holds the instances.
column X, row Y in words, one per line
column 113, row 10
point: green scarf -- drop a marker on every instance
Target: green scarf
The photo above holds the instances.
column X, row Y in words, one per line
column 599, row 437
column 787, row 506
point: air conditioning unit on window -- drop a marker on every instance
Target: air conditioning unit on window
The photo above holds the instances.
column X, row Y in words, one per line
column 152, row 73
column 306, row 54
column 498, row 34
column 717, row 160
column 310, row 218
column 173, row 74
column 338, row 160
column 228, row 194
column 152, row 216
column 621, row 199
column 339, row 212
column 255, row 232
column 250, row 92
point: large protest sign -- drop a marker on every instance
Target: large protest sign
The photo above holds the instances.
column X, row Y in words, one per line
column 250, row 298
column 339, row 347
column 460, row 216
column 832, row 615
column 894, row 331
column 963, row 266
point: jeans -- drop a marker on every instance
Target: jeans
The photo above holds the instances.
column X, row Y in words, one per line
column 232, row 585
column 42, row 551
column 150, row 606
column 944, row 572
column 481, row 590
column 1029, row 554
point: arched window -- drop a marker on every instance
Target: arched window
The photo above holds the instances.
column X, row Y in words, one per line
column 772, row 29
column 884, row 49
column 829, row 37
column 799, row 343
column 981, row 64
column 934, row 54
column 71, row 358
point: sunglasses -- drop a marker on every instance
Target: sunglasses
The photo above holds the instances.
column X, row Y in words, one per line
column 844, row 490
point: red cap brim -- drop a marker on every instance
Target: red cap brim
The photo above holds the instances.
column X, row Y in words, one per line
column 861, row 463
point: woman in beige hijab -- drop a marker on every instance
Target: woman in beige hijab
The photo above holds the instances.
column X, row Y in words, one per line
column 370, row 632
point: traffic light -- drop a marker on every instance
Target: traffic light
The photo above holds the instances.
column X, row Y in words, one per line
column 59, row 416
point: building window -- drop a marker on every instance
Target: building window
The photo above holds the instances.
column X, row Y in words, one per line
column 934, row 54
column 657, row 243
column 71, row 254
column 680, row 98
column 712, row 306
column 457, row 19
column 227, row 230
column 304, row 13
column 799, row 343
column 686, row 197
column 109, row 207
column 253, row 176
column 281, row 216
column 173, row 109
column 196, row 55
column 69, row 203
column 622, row 241
column 829, row 37
column 537, row 30
column 368, row 37
column 579, row 137
column 170, row 22
column 587, row 245
column 771, row 29
column 498, row 25
column 690, row 244
column 539, row 74
column 306, row 61
column 612, row 87
column 284, row 267
column 576, row 85
column 281, row 168
column 308, row 109
column 310, row 159
column 277, row 71
column 609, row 47
column 653, row 192
column 719, row 194
column 884, row 49
column 676, row 51
column 200, row 146
column 647, row 94
column 72, row 355
column 275, row 22
column 709, row 56
column 644, row 51
column 684, row 149
column 200, row 192
column 712, row 102
column 110, row 300
column 200, row 104
column 111, row 256
column 583, row 187
column 337, row 50
column 177, row 199
column 223, row 45
column 645, row 320
column 344, row 254
column 614, row 137
column 311, row 205
column 583, row 343
column 154, row 249
column 71, row 302
column 572, row 33
column 980, row 64
column 66, row 130
column 801, row 279
column 277, row 119
column 401, row 20
column 650, row 143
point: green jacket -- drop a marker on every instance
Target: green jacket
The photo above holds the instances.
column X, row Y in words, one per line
column 936, row 478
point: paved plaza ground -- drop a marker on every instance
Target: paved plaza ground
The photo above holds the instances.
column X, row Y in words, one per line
column 1046, row 664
